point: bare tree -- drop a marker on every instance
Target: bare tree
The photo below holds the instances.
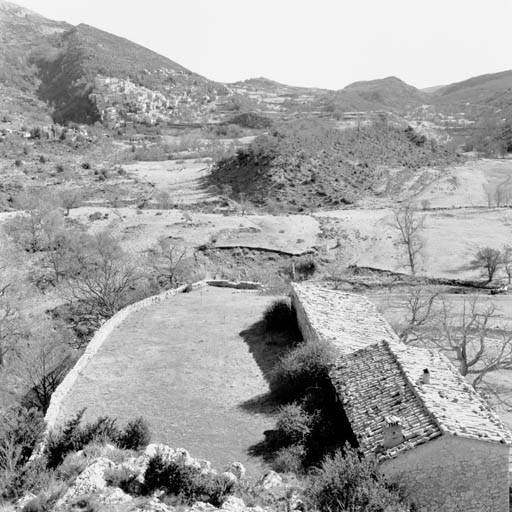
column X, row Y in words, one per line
column 167, row 260
column 42, row 367
column 10, row 323
column 105, row 279
column 70, row 198
column 489, row 259
column 471, row 333
column 416, row 313
column 506, row 260
column 242, row 199
column 409, row 224
column 473, row 339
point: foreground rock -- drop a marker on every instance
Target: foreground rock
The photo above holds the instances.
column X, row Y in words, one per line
column 94, row 489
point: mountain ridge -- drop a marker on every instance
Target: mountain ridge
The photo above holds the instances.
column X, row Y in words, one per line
column 87, row 75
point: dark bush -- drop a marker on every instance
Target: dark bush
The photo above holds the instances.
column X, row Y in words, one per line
column 135, row 435
column 347, row 482
column 20, row 427
column 304, row 269
column 31, row 477
column 73, row 437
column 280, row 317
column 18, row 162
column 123, row 478
column 86, row 165
column 293, row 424
column 187, row 483
column 305, row 366
column 290, row 459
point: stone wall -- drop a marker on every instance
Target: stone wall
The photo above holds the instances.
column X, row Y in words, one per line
column 94, row 345
column 308, row 332
column 454, row 474
column 112, row 323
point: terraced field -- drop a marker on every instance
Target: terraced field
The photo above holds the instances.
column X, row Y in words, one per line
column 194, row 366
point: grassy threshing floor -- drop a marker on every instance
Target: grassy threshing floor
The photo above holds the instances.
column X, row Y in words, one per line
column 194, row 368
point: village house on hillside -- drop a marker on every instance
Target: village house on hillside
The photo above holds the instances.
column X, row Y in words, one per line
column 410, row 407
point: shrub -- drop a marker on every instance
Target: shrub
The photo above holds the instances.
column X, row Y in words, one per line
column 280, row 316
column 124, row 478
column 85, row 504
column 303, row 269
column 293, row 424
column 22, row 428
column 73, row 437
column 347, row 482
column 305, row 366
column 290, row 459
column 47, row 498
column 32, row 477
column 185, row 482
column 135, row 435
column 18, row 162
column 72, row 466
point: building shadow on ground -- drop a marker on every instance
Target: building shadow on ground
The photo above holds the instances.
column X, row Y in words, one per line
column 268, row 347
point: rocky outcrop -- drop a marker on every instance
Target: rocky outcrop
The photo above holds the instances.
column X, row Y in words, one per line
column 96, row 485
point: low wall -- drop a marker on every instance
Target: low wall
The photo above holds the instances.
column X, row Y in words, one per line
column 97, row 341
column 112, row 323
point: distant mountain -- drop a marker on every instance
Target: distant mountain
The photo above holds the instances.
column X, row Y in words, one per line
column 21, row 30
column 276, row 97
column 389, row 93
column 87, row 75
column 484, row 94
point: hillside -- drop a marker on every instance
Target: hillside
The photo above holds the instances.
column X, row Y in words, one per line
column 20, row 31
column 73, row 65
column 391, row 94
column 484, row 94
column 314, row 165
column 87, row 74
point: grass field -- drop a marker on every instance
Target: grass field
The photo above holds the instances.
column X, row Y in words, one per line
column 293, row 234
column 194, row 368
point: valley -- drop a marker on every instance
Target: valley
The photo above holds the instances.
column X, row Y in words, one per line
column 125, row 177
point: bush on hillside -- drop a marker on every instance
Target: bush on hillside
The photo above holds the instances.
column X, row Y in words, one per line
column 293, row 424
column 73, row 436
column 305, row 366
column 20, row 428
column 313, row 164
column 135, row 435
column 185, row 482
column 347, row 482
column 280, row 317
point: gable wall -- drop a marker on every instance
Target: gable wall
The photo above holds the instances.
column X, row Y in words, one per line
column 455, row 474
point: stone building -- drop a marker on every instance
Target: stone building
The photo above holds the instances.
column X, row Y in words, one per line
column 410, row 407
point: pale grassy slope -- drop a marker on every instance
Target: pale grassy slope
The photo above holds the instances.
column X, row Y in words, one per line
column 189, row 368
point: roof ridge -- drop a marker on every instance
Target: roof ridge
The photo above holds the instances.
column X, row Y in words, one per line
column 412, row 386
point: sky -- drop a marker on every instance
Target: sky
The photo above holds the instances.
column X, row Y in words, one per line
column 320, row 43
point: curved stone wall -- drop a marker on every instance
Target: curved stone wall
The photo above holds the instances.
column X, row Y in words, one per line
column 97, row 341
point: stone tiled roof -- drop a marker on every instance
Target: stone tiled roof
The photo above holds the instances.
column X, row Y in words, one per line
column 372, row 386
column 454, row 404
column 348, row 321
column 384, row 379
